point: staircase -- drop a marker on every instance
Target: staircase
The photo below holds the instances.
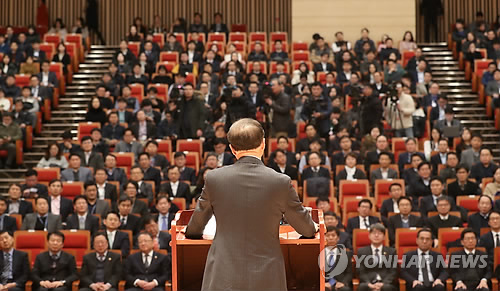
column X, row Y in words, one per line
column 71, row 111
column 465, row 103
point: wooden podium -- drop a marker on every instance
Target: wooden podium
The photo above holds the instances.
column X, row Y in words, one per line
column 300, row 255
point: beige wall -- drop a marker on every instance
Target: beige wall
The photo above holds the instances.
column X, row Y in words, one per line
column 326, row 17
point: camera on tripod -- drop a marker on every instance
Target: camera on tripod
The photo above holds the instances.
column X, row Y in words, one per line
column 392, row 93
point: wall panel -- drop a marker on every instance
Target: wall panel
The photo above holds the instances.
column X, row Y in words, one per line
column 116, row 15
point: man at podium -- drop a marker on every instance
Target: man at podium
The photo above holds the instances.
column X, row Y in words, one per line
column 248, row 201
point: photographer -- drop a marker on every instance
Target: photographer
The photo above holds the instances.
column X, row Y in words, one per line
column 191, row 114
column 277, row 108
column 399, row 108
column 317, row 110
column 371, row 110
column 239, row 107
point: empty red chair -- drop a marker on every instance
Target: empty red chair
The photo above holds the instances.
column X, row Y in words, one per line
column 169, row 57
column 77, row 241
column 217, row 36
column 134, row 47
column 239, row 27
column 447, row 235
column 57, row 68
column 31, row 241
column 48, row 174
column 22, row 80
column 237, row 36
column 190, row 145
column 76, row 38
column 84, row 128
column 405, row 238
column 72, row 189
column 257, row 36
column 49, row 49
column 159, row 38
column 469, row 202
column 299, row 46
column 321, row 77
column 190, row 78
column 301, row 130
column 52, row 38
column 165, row 146
column 192, row 160
column 279, row 35
column 353, row 188
column 124, row 159
column 298, row 56
column 180, row 38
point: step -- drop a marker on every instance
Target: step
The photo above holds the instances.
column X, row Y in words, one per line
column 86, row 82
column 98, row 46
column 462, row 102
column 80, row 87
column 101, row 61
column 72, row 112
column 470, row 108
column 443, row 58
column 65, row 118
column 73, row 106
column 483, row 122
column 433, row 44
column 445, row 68
column 74, row 99
column 56, row 125
column 86, row 76
column 437, row 53
column 105, row 55
column 93, row 66
column 104, row 51
column 448, row 73
column 76, row 93
column 94, row 71
column 456, row 90
column 465, row 116
column 443, row 63
column 447, row 79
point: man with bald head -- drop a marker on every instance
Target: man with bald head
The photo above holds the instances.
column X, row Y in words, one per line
column 248, row 200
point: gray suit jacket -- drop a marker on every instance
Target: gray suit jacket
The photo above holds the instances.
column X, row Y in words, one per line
column 377, row 175
column 248, row 200
column 468, row 158
column 101, row 208
column 53, row 223
column 387, row 274
column 493, row 87
column 421, row 90
column 122, row 147
column 440, row 124
column 84, row 175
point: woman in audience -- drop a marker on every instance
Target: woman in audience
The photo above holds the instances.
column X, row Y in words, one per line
column 123, row 67
column 231, row 48
column 162, row 77
column 235, row 57
column 368, row 77
column 59, row 28
column 472, row 54
column 133, row 35
column 62, row 57
column 53, row 158
column 147, row 68
column 95, row 112
column 179, row 26
column 464, row 141
column 419, row 119
column 30, row 67
column 185, row 66
column 7, row 66
column 303, row 68
column 4, row 102
column 81, row 28
column 493, row 189
column 218, row 55
column 408, row 43
column 381, row 44
column 32, row 35
column 431, row 145
column 369, row 140
column 129, row 56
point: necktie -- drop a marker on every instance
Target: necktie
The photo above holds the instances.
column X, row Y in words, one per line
column 111, row 240
column 75, row 176
column 82, row 223
column 376, row 258
column 497, row 240
column 101, row 258
column 164, row 223
column 146, row 261
column 425, row 271
column 331, row 262
column 7, row 271
column 123, row 221
column 367, row 224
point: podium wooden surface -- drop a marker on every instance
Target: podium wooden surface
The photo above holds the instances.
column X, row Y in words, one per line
column 300, row 256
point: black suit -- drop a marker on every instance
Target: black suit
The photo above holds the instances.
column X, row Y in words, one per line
column 146, row 191
column 488, row 242
column 470, row 188
column 159, row 269
column 410, row 176
column 289, row 171
column 65, row 208
column 318, row 67
column 110, row 192
column 405, row 158
column 418, row 189
column 163, row 238
column 387, row 206
column 435, row 162
column 469, row 275
column 133, row 223
column 153, row 174
column 409, row 272
column 39, row 189
column 95, row 160
column 476, row 221
column 309, row 173
column 182, row 191
column 387, row 274
column 160, row 161
column 91, row 223
column 121, row 242
column 354, row 222
column 65, row 269
column 112, row 270
column 427, row 204
column 24, row 207
column 372, row 159
column 20, row 269
column 150, row 129
column 346, row 276
column 117, row 174
column 396, row 222
column 9, row 224
column 188, row 174
column 435, row 223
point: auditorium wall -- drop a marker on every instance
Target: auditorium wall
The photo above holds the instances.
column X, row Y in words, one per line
column 116, row 15
column 326, row 17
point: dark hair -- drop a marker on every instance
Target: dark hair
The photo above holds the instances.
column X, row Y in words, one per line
column 90, row 183
column 443, row 198
column 55, row 181
column 393, row 185
column 31, row 172
column 131, row 182
column 47, row 152
column 143, row 154
column 384, row 154
column 148, row 219
column 365, row 201
column 145, row 233
column 171, row 168
column 416, row 155
column 56, row 233
column 111, row 212
column 245, row 134
column 322, row 199
column 466, row 231
column 77, row 197
column 41, row 197
column 425, row 229
column 404, row 198
column 179, row 154
column 123, row 199
column 462, row 166
column 436, row 178
column 85, row 138
column 100, row 233
column 334, row 229
column 352, row 155
column 423, row 164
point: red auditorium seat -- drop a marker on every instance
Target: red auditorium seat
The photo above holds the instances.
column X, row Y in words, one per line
column 357, row 188
column 84, row 128
column 220, row 46
column 49, row 49
column 251, row 47
column 34, row 241
column 406, row 238
column 57, row 68
column 447, row 235
column 134, row 47
column 137, row 91
column 360, row 239
column 124, row 159
column 239, row 27
column 76, row 38
column 469, row 202
column 48, row 174
column 190, row 145
column 279, row 35
column 299, row 46
column 169, row 66
column 77, row 241
column 298, row 56
column 201, row 37
column 350, row 205
column 22, row 80
column 169, row 57
column 272, row 67
column 263, row 67
column 273, row 145
column 72, row 189
column 165, row 146
column 159, row 38
column 180, row 38
column 237, row 36
column 407, row 55
column 257, row 36
column 52, row 38
column 162, row 91
column 381, row 189
column 217, row 36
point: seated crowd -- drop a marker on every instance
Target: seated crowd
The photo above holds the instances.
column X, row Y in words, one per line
column 331, row 121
